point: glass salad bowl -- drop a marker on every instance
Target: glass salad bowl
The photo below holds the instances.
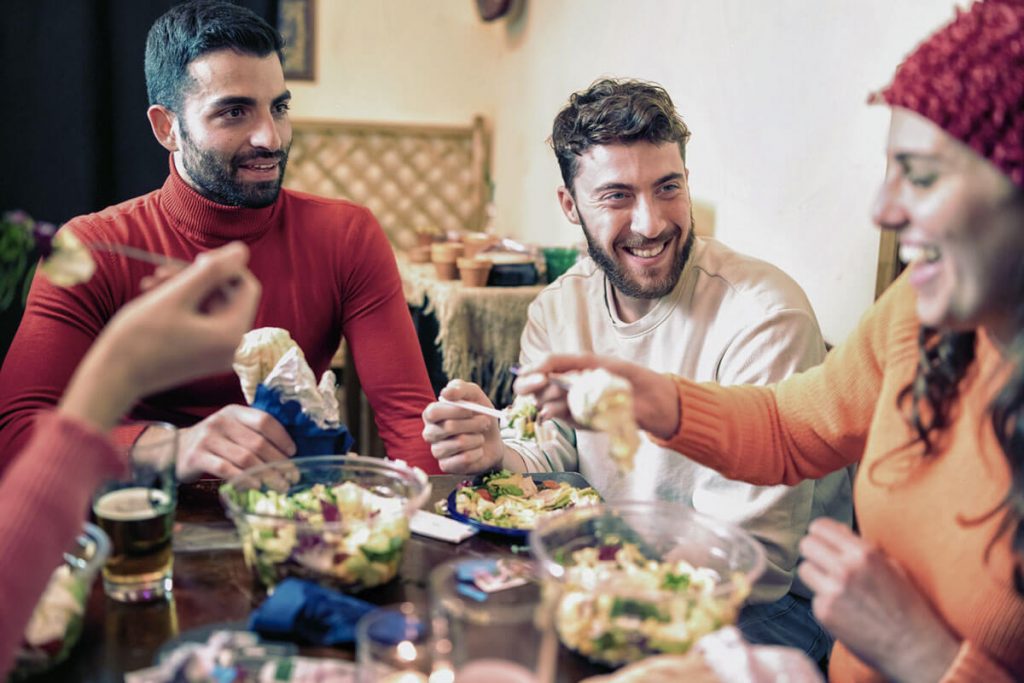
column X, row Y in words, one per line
column 634, row 579
column 342, row 521
column 56, row 622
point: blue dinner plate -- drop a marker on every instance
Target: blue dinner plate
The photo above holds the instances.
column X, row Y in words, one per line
column 574, row 479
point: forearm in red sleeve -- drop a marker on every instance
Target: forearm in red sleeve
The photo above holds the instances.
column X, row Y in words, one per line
column 44, row 496
column 380, row 334
column 52, row 339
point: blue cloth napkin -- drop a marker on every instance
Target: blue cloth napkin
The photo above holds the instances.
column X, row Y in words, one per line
column 304, row 611
column 309, row 438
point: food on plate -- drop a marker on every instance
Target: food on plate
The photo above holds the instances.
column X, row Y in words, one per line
column 618, row 606
column 603, row 402
column 522, row 416
column 344, row 533
column 515, row 501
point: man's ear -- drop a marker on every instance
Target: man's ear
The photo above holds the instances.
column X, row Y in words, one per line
column 162, row 120
column 568, row 204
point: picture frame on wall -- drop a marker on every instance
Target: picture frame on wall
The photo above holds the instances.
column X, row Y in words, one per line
column 296, row 20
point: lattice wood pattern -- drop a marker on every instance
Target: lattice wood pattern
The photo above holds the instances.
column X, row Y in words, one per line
column 410, row 176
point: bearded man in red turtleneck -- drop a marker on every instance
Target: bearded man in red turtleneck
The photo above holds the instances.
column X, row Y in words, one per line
column 219, row 105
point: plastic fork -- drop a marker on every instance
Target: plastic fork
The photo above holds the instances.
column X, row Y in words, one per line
column 558, row 380
column 477, row 408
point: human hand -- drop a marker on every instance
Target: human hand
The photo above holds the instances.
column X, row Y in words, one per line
column 232, row 439
column 186, row 328
column 655, row 399
column 869, row 604
column 463, row 441
column 190, row 326
column 161, row 274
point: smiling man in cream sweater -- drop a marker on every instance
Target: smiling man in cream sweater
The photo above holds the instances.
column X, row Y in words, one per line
column 656, row 294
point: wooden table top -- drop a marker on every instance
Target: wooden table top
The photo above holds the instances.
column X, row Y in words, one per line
column 213, row 586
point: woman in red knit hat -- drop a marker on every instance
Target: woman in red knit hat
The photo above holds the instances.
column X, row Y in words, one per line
column 927, row 394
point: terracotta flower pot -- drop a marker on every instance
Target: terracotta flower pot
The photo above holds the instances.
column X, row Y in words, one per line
column 475, row 242
column 474, row 271
column 419, row 254
column 445, row 252
column 446, row 270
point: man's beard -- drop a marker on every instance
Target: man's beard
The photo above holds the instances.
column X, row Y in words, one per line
column 214, row 175
column 621, row 280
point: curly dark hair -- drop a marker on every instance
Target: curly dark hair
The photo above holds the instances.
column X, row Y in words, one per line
column 190, row 30
column 926, row 402
column 1008, row 423
column 614, row 111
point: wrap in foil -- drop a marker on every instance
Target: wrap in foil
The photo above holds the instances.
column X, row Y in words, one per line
column 283, row 385
column 257, row 355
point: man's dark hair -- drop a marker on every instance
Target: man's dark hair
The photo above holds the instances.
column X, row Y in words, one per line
column 190, row 30
column 614, row 111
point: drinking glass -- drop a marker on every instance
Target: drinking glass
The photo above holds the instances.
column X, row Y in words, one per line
column 137, row 512
column 504, row 636
column 394, row 645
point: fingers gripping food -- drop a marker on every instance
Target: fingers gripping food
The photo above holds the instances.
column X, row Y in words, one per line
column 603, row 402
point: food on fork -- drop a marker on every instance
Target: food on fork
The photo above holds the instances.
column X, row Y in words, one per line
column 522, row 416
column 68, row 261
column 603, row 402
column 26, row 243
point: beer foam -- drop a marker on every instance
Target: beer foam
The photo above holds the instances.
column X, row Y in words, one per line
column 132, row 504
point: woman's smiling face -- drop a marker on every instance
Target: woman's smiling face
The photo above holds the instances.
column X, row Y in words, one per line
column 960, row 224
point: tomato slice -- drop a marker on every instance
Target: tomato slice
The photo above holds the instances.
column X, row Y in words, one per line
column 550, row 484
column 485, row 494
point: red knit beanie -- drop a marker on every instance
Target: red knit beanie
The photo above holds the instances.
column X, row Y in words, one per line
column 968, row 78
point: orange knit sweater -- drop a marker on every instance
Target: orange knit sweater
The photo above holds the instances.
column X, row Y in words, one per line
column 844, row 411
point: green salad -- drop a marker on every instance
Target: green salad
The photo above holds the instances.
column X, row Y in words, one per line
column 345, row 535
column 618, row 606
column 516, row 501
column 522, row 416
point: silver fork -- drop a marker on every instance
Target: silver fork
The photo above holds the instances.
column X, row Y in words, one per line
column 138, row 254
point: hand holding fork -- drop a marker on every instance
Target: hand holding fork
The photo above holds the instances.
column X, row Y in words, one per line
column 167, row 266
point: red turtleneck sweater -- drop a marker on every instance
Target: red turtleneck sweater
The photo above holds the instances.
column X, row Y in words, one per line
column 326, row 268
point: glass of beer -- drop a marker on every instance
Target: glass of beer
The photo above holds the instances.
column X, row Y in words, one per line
column 137, row 512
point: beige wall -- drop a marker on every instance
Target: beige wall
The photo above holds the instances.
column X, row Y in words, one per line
column 785, row 152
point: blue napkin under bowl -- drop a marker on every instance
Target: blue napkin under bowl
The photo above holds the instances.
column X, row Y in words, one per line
column 306, row 612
